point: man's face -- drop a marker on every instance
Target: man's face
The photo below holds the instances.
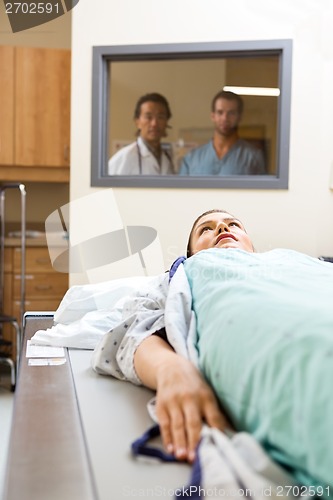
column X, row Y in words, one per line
column 152, row 122
column 226, row 117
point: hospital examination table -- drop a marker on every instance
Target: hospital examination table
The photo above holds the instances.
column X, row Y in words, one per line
column 72, row 432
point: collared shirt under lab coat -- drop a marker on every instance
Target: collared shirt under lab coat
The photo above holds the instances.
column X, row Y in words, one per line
column 128, row 159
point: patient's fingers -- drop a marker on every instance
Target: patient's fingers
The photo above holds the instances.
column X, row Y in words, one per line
column 203, row 408
column 180, row 424
column 193, row 422
column 172, row 429
column 184, row 401
column 178, row 433
column 214, row 417
column 211, row 411
column 164, row 423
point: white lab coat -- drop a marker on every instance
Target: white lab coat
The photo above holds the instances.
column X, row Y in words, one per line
column 127, row 161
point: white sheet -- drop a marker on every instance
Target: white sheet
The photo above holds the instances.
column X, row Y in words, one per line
column 86, row 313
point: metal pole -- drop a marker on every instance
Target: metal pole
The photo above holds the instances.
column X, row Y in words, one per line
column 2, row 245
column 22, row 190
column 23, row 245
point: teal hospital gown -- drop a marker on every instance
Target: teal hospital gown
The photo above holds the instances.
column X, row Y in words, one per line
column 265, row 344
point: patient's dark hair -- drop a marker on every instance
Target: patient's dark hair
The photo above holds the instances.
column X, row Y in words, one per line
column 214, row 210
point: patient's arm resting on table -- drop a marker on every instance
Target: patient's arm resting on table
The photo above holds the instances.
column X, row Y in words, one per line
column 183, row 401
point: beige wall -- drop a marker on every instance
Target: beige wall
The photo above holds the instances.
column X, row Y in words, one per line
column 300, row 217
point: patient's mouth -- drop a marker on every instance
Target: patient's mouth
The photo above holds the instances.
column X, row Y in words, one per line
column 225, row 236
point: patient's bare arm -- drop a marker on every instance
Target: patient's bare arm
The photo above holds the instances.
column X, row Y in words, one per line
column 184, row 399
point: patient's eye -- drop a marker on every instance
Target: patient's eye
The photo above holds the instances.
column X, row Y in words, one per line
column 204, row 228
column 235, row 223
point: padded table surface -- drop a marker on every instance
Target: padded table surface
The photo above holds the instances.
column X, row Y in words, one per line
column 71, row 434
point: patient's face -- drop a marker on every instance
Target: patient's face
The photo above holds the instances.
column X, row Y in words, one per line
column 219, row 230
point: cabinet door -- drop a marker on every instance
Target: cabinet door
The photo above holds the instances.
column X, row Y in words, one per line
column 41, row 286
column 37, row 260
column 42, row 108
column 7, row 105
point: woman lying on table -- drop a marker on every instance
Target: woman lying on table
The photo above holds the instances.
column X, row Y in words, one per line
column 264, row 326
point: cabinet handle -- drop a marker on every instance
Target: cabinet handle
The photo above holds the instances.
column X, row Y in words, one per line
column 42, row 261
column 66, row 153
column 43, row 287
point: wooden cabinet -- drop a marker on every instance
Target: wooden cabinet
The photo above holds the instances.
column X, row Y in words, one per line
column 35, row 97
column 7, row 105
column 44, row 287
column 42, row 96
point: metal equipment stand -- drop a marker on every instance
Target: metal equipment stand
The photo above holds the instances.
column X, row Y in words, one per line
column 6, row 346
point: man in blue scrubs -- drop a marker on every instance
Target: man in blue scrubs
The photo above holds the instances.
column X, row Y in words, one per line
column 226, row 153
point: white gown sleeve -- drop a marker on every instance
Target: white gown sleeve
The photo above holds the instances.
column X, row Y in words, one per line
column 143, row 314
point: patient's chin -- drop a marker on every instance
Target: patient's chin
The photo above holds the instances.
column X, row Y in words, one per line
column 227, row 244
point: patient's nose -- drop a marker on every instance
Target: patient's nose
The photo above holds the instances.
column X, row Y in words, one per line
column 222, row 227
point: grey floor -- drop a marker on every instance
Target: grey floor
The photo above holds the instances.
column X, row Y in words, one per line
column 6, row 409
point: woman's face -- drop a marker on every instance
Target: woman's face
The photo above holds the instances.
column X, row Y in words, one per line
column 219, row 230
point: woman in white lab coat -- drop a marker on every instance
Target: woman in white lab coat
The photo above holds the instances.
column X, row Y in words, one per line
column 146, row 155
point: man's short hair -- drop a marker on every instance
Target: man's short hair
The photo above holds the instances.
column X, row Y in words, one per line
column 229, row 96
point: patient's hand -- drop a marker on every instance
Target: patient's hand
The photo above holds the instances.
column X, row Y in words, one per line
column 184, row 401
